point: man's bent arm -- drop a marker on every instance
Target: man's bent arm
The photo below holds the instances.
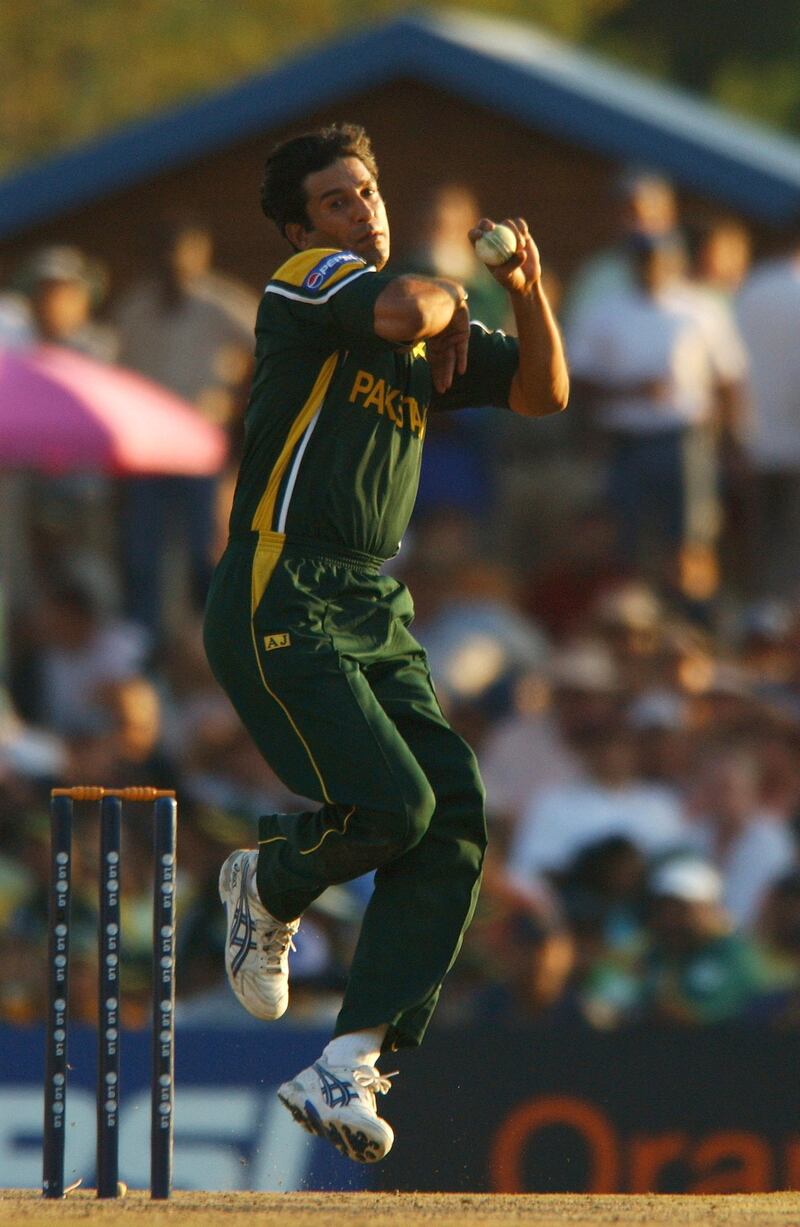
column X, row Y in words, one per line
column 541, row 384
column 411, row 308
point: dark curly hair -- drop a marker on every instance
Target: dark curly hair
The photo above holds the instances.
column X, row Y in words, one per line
column 283, row 196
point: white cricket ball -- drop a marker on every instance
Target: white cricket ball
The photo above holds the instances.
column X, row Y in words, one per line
column 496, row 246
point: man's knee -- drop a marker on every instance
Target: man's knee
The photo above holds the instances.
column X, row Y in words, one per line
column 418, row 812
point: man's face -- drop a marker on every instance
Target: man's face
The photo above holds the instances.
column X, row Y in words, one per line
column 190, row 255
column 344, row 209
column 61, row 307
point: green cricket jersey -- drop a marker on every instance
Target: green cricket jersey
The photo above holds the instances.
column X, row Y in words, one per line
column 336, row 418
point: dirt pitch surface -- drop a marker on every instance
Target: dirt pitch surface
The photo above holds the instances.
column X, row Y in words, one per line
column 28, row 1209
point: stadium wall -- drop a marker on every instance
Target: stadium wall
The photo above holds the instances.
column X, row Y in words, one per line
column 503, row 1110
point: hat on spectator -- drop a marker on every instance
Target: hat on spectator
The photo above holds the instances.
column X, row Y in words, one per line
column 688, row 879
column 61, row 262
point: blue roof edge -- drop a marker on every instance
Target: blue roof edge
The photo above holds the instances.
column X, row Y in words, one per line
column 141, row 150
column 604, row 128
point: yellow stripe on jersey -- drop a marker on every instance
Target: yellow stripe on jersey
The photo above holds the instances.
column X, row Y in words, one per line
column 265, row 560
column 298, row 267
column 265, row 511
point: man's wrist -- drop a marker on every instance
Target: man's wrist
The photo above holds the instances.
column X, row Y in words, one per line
column 456, row 291
column 531, row 293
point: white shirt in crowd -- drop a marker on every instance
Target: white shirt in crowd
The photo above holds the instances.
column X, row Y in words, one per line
column 768, row 311
column 762, row 852
column 562, row 822
column 190, row 345
column 681, row 337
column 521, row 758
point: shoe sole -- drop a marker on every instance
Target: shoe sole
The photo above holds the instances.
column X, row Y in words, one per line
column 353, row 1145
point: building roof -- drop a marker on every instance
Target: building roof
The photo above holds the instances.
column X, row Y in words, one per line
column 515, row 70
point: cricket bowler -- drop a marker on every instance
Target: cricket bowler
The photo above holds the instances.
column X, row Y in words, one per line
column 311, row 641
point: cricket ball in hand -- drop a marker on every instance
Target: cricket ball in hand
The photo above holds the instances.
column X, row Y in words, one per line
column 496, row 246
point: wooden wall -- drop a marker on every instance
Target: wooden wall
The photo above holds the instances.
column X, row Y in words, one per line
column 421, row 136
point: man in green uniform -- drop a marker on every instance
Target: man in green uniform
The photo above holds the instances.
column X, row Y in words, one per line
column 311, row 641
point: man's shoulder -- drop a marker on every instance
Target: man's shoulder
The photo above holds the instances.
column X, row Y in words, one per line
column 314, row 274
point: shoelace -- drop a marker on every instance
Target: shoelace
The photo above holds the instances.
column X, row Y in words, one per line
column 278, row 941
column 373, row 1081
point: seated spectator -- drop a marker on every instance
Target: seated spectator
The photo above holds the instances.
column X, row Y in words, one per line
column 129, row 746
column 692, row 969
column 697, row 970
column 779, row 760
column 611, row 801
column 720, row 695
column 765, row 643
column 524, row 753
column 477, row 637
column 516, row 966
column 630, row 619
column 606, row 882
column 586, row 688
column 72, row 656
column 537, row 968
column 750, row 847
column 659, row 719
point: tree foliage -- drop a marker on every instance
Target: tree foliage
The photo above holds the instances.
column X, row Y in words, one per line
column 70, row 69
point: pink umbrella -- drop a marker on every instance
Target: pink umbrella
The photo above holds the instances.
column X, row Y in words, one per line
column 61, row 411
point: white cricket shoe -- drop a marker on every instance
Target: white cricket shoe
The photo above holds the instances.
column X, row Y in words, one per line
column 257, row 945
column 338, row 1103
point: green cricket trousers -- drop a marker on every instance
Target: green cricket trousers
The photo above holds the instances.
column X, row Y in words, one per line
column 313, row 648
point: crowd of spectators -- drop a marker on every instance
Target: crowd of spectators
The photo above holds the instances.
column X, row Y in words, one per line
column 610, row 603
